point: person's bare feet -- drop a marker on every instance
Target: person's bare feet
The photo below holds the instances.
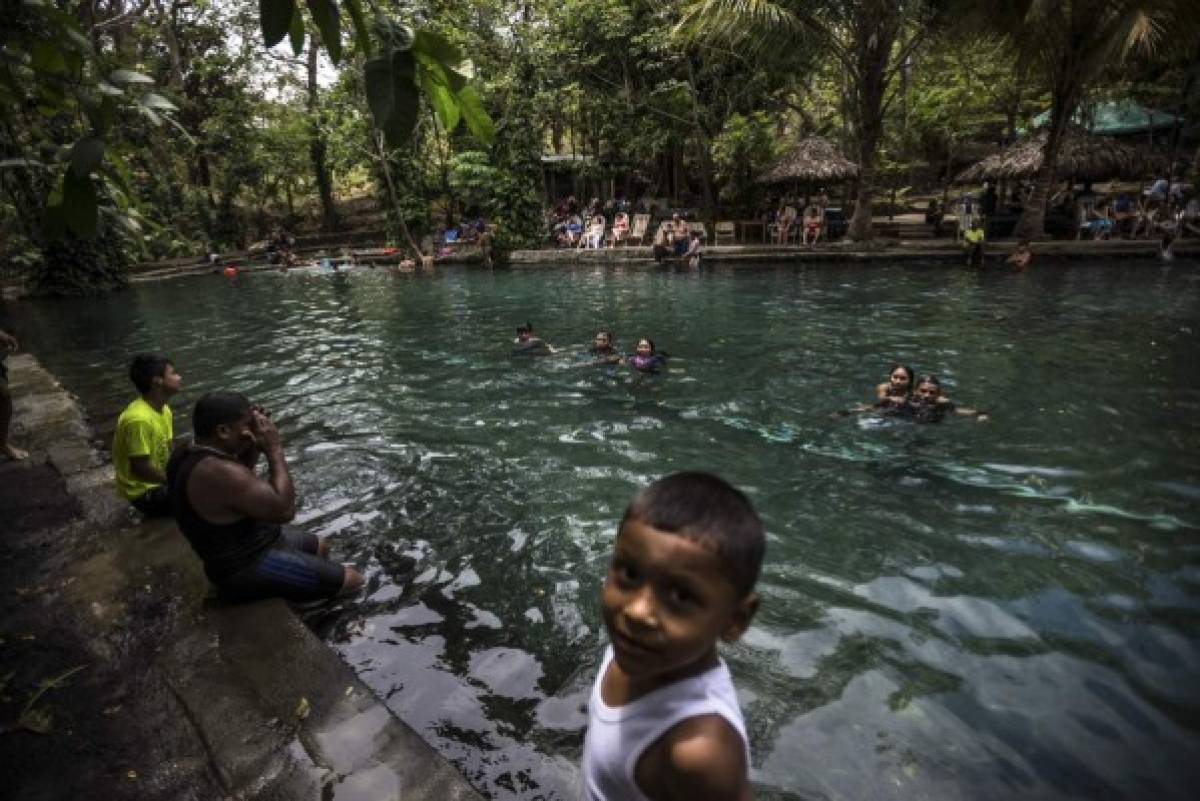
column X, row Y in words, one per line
column 13, row 452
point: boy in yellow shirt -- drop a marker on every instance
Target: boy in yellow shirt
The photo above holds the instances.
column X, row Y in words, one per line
column 142, row 441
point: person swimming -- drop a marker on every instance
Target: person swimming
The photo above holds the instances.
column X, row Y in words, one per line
column 527, row 343
column 646, row 359
column 602, row 350
column 928, row 404
column 897, row 389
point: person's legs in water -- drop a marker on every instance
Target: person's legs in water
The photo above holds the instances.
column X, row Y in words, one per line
column 7, row 449
column 295, row 570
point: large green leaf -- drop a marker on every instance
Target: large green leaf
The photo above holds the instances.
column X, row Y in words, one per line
column 79, row 204
column 392, row 95
column 361, row 37
column 129, row 76
column 20, row 163
column 329, row 23
column 86, row 156
column 443, row 101
column 296, row 32
column 46, row 56
column 158, row 102
column 478, row 121
column 276, row 18
column 437, row 46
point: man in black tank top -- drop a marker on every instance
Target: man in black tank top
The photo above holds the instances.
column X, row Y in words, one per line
column 233, row 519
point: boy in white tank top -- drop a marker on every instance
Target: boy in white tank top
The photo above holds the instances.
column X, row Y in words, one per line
column 663, row 718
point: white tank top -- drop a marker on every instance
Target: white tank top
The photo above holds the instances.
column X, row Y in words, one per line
column 617, row 736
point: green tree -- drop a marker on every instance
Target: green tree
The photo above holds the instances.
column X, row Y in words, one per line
column 871, row 41
column 1068, row 43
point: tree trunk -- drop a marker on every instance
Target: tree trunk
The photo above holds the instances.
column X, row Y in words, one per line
column 395, row 198
column 874, row 34
column 1032, row 224
column 316, row 144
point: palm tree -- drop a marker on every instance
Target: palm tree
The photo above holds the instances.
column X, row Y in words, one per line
column 1067, row 43
column 871, row 40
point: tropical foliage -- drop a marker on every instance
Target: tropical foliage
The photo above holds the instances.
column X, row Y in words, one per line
column 149, row 129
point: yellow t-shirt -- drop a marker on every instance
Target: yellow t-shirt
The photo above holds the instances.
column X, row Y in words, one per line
column 973, row 236
column 141, row 431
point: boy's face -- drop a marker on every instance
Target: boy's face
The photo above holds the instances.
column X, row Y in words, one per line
column 171, row 380
column 666, row 602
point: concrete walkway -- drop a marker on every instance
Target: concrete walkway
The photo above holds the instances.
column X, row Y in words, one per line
column 278, row 714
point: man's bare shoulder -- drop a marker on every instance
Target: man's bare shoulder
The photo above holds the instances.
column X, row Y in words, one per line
column 706, row 758
column 220, row 470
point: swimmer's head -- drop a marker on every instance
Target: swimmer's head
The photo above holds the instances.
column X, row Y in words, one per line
column 603, row 340
column 524, row 331
column 900, row 379
column 928, row 388
column 645, row 346
column 150, row 370
column 705, row 509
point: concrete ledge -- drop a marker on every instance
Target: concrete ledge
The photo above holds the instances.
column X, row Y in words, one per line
column 943, row 250
column 279, row 714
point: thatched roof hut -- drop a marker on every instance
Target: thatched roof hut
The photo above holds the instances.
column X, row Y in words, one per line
column 1081, row 156
column 813, row 160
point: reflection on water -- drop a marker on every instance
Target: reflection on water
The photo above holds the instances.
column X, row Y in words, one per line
column 967, row 610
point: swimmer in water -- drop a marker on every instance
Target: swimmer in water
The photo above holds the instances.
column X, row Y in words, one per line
column 929, row 405
column 527, row 343
column 1020, row 258
column 602, row 350
column 896, row 390
column 646, row 359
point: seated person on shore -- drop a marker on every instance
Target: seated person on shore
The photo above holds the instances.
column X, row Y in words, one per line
column 527, row 343
column 233, row 519
column 973, row 241
column 929, row 405
column 664, row 242
column 1095, row 220
column 679, row 237
column 694, row 252
column 602, row 350
column 1191, row 218
column 620, row 229
column 1021, row 257
column 783, row 223
column 646, row 359
column 142, row 440
column 933, row 215
column 7, row 343
column 814, row 221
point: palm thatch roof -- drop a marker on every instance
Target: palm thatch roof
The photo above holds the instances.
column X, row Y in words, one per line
column 813, row 160
column 1081, row 156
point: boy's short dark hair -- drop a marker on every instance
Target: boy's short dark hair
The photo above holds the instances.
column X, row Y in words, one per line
column 146, row 367
column 218, row 408
column 706, row 508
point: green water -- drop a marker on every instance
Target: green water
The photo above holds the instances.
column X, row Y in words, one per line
column 964, row 610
